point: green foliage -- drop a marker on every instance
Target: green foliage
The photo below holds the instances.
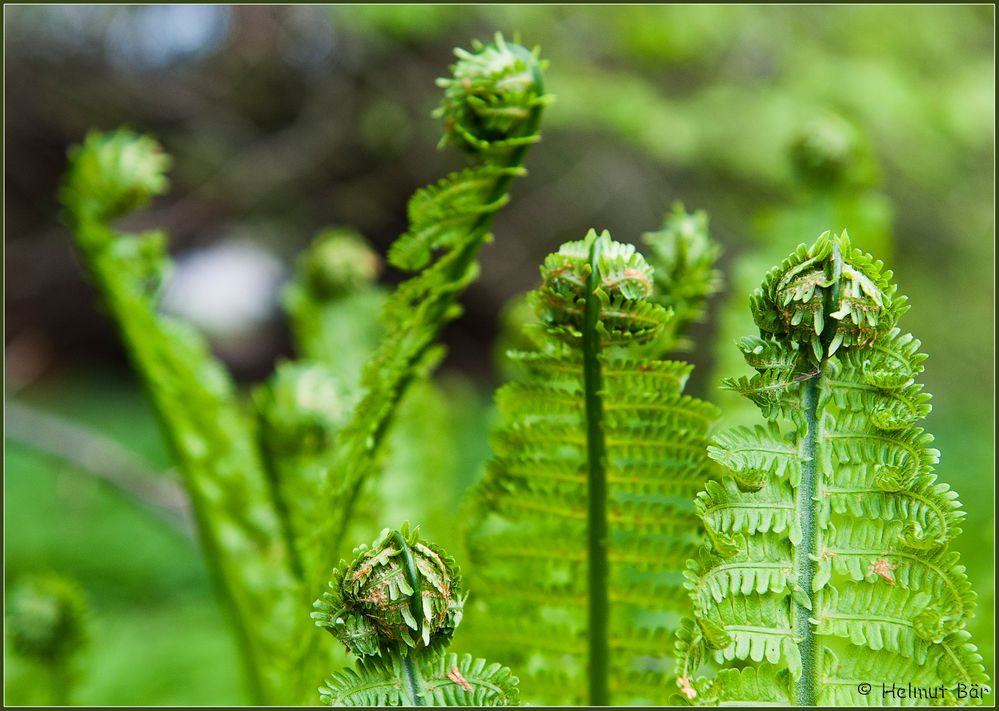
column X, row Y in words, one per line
column 449, row 223
column 239, row 526
column 565, row 437
column 333, row 304
column 683, row 258
column 396, row 605
column 443, row 681
column 273, row 499
column 829, row 558
column 46, row 616
column 47, row 626
column 113, row 174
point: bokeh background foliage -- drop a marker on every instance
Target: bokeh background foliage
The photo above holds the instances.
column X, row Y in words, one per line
column 286, row 120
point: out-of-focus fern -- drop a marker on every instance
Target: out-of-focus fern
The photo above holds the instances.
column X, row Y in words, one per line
column 239, row 526
column 46, row 627
column 584, row 520
column 491, row 109
column 683, row 257
column 333, row 304
column 828, row 565
column 396, row 606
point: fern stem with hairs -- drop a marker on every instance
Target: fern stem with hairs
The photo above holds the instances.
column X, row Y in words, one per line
column 596, row 519
column 828, row 566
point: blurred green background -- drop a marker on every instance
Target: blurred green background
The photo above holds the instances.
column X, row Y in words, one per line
column 283, row 120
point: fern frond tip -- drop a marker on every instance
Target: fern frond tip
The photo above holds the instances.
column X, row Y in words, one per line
column 112, row 174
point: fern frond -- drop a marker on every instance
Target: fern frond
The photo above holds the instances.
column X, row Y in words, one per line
column 829, row 564
column 333, row 302
column 447, row 681
column 591, row 411
column 492, row 109
column 239, row 524
column 752, row 686
column 396, row 605
column 683, row 258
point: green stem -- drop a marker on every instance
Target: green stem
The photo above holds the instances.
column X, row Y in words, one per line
column 807, row 501
column 805, row 687
column 411, row 671
column 596, row 529
column 270, row 464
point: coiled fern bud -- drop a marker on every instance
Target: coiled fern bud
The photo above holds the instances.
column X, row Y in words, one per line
column 828, row 152
column 625, row 284
column 338, row 263
column 46, row 619
column 490, row 103
column 112, row 174
column 302, row 408
column 398, row 591
column 832, row 279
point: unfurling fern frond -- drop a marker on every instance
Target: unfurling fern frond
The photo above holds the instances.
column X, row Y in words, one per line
column 492, row 109
column 396, row 605
column 828, row 565
column 583, row 522
column 333, row 302
column 683, row 258
column 239, row 525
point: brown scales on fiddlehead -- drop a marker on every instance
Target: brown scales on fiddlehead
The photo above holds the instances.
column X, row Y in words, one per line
column 396, row 606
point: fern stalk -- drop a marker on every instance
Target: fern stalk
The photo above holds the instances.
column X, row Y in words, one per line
column 806, row 502
column 596, row 521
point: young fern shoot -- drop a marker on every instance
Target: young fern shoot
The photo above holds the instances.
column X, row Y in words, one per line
column 583, row 522
column 828, row 568
column 491, row 109
column 396, row 606
column 109, row 176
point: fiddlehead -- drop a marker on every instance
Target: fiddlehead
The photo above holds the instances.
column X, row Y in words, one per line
column 582, row 517
column 396, row 605
column 333, row 302
column 449, row 223
column 833, row 564
column 683, row 257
